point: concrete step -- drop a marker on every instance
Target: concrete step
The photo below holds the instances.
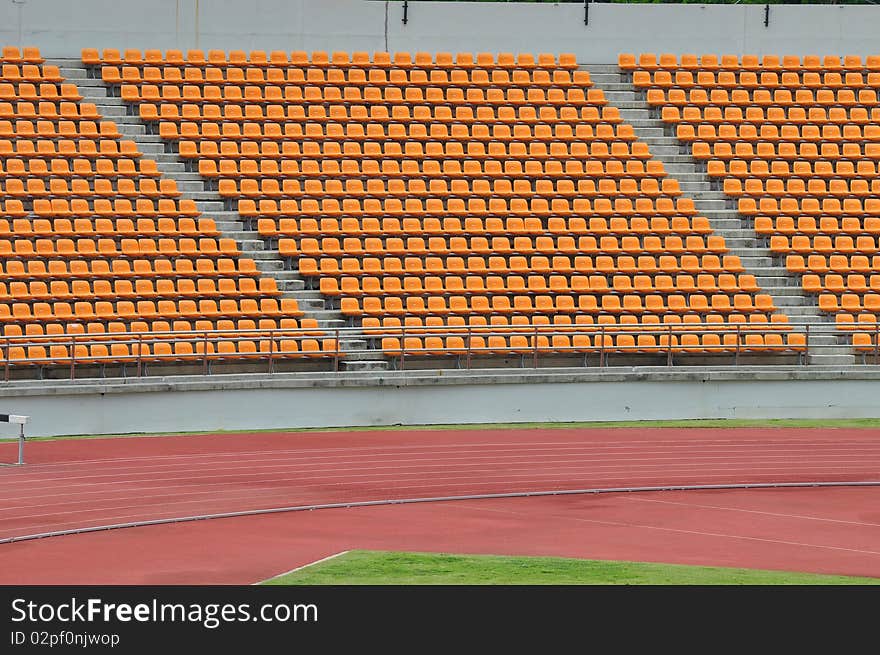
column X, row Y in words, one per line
column 599, row 68
column 831, row 360
column 365, row 365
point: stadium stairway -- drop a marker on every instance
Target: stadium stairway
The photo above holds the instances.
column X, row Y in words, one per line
column 710, row 201
column 194, row 186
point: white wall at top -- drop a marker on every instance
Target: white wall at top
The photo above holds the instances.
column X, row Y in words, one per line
column 63, row 27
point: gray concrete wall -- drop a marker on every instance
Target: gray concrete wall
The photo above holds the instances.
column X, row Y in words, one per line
column 634, row 398
column 63, row 27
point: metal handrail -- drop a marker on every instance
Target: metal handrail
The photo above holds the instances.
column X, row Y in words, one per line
column 530, row 341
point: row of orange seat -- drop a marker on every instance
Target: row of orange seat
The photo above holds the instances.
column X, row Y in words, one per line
column 49, row 109
column 140, row 289
column 388, row 95
column 14, row 73
column 844, row 97
column 849, row 302
column 63, row 128
column 837, row 283
column 465, row 304
column 117, row 268
column 805, row 168
column 134, row 248
column 153, row 330
column 320, row 58
column 498, row 150
column 786, row 150
column 818, row 115
column 753, row 80
column 796, row 186
column 107, row 207
column 429, row 170
column 501, row 284
column 825, row 206
column 421, row 113
column 526, row 345
column 603, row 207
column 440, row 245
column 808, row 225
column 841, row 263
column 500, row 263
column 172, row 351
column 590, row 324
column 87, row 227
column 331, row 131
column 354, row 77
column 45, row 91
column 824, row 244
column 650, row 61
column 774, row 132
column 128, row 310
column 272, row 187
column 451, row 225
column 117, row 169
column 13, row 55
column 81, row 147
column 36, row 187
column 416, row 118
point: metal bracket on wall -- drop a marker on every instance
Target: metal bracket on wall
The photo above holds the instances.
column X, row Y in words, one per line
column 766, row 15
column 586, row 12
column 405, row 11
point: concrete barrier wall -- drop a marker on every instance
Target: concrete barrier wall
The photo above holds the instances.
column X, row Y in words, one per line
column 269, row 408
column 62, row 27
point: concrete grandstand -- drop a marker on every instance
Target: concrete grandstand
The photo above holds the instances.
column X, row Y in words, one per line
column 560, row 212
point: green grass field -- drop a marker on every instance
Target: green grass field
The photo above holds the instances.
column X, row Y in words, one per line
column 863, row 423
column 389, row 568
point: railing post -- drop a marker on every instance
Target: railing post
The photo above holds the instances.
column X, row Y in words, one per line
column 6, row 362
column 535, row 350
column 271, row 352
column 876, row 343
column 402, row 346
column 669, row 347
column 336, row 352
column 140, row 345
column 602, row 346
column 738, row 340
column 205, row 355
column 806, row 359
column 72, row 357
column 468, row 356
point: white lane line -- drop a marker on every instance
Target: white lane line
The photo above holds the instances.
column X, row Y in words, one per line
column 307, row 479
column 695, row 532
column 755, row 511
column 481, row 488
column 304, row 566
column 868, row 456
column 741, row 442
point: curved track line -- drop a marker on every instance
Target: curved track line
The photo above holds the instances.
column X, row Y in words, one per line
column 406, row 501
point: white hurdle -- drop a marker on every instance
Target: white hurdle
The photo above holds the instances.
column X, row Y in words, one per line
column 20, row 421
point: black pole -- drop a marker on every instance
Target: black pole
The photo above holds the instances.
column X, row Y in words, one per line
column 586, row 12
column 405, row 11
column 766, row 15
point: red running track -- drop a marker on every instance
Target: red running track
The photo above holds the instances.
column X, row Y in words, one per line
column 823, row 530
column 86, row 483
